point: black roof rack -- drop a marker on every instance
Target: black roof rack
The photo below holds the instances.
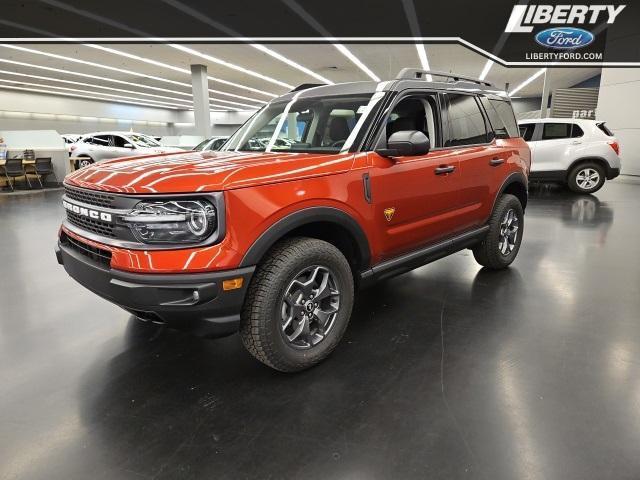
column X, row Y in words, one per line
column 417, row 74
column 304, row 86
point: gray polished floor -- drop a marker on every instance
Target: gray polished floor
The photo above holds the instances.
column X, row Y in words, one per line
column 446, row 372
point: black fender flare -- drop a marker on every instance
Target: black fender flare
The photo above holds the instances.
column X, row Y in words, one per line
column 515, row 177
column 304, row 217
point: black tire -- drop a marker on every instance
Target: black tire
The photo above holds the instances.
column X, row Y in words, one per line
column 262, row 314
column 489, row 253
column 83, row 162
column 574, row 181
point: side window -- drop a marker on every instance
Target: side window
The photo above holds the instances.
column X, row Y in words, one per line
column 526, row 131
column 119, row 141
column 504, row 111
column 465, row 122
column 555, row 131
column 576, row 131
column 101, row 140
column 415, row 112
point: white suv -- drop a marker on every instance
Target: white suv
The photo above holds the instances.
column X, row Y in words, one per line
column 98, row 146
column 579, row 153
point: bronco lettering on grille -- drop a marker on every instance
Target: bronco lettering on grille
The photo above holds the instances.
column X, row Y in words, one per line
column 87, row 212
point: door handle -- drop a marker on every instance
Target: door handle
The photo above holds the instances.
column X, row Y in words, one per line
column 576, row 142
column 494, row 162
column 444, row 170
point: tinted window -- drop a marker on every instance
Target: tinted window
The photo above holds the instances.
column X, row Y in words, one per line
column 505, row 112
column 216, row 144
column 119, row 141
column 101, row 140
column 554, row 131
column 526, row 131
column 466, row 124
column 576, row 131
column 415, row 112
column 604, row 129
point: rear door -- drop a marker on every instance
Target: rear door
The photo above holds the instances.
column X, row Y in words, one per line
column 471, row 140
column 553, row 143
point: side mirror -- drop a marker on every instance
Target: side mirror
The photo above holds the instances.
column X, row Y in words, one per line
column 128, row 145
column 406, row 143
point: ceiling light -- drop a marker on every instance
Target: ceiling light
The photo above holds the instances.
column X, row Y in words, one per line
column 424, row 62
column 356, row 61
column 291, row 63
column 528, row 81
column 68, row 94
column 82, row 84
column 181, row 70
column 154, row 103
column 485, row 70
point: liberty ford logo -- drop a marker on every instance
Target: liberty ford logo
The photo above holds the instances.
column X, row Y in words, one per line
column 564, row 37
column 87, row 212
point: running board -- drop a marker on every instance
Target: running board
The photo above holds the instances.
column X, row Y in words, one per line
column 418, row 258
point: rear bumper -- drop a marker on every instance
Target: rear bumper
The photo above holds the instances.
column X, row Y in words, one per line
column 194, row 302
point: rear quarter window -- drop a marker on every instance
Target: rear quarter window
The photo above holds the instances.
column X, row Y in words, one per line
column 501, row 117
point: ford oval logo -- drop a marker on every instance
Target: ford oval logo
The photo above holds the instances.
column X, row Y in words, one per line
column 564, row 37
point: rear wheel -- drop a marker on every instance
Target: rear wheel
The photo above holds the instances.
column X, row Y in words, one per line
column 586, row 178
column 502, row 242
column 298, row 304
column 83, row 162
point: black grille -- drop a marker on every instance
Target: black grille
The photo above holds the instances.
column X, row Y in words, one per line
column 96, row 254
column 92, row 225
column 91, row 197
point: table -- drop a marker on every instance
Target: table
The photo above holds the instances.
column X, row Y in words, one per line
column 3, row 178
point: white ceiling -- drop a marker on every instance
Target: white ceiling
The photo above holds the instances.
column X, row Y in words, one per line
column 384, row 60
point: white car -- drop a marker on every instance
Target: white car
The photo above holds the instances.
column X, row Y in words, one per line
column 69, row 139
column 98, row 146
column 578, row 153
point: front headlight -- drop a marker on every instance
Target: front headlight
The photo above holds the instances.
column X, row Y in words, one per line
column 172, row 221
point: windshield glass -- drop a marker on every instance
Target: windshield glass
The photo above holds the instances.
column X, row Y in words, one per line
column 143, row 140
column 314, row 125
column 201, row 145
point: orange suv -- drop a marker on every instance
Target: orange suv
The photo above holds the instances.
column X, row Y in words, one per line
column 322, row 191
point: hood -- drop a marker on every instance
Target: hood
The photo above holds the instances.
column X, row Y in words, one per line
column 205, row 171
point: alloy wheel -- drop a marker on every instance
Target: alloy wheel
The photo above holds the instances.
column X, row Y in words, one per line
column 587, row 178
column 508, row 232
column 310, row 305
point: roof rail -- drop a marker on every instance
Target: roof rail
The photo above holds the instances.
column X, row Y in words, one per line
column 417, row 74
column 304, row 86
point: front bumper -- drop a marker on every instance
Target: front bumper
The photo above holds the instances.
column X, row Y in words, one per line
column 188, row 301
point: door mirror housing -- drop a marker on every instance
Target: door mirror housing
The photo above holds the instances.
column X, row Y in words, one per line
column 406, row 143
column 128, row 145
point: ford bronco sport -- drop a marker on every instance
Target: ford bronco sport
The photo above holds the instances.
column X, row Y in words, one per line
column 323, row 190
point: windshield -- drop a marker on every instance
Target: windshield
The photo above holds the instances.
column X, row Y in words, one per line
column 201, row 145
column 314, row 125
column 143, row 140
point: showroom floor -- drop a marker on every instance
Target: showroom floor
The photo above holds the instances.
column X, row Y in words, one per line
column 446, row 372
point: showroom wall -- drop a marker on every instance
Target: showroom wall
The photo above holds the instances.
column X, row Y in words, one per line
column 618, row 105
column 33, row 111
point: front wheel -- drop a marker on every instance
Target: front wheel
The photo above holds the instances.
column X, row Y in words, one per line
column 586, row 178
column 298, row 304
column 83, row 162
column 502, row 243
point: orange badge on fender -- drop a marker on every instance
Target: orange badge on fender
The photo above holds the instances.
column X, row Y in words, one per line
column 388, row 213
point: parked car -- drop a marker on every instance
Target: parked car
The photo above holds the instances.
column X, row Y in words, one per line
column 213, row 144
column 578, row 153
column 99, row 146
column 70, row 139
column 272, row 240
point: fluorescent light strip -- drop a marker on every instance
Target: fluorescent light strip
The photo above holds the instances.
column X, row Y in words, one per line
column 424, row 61
column 291, row 63
column 155, row 103
column 485, row 70
column 197, row 15
column 65, row 94
column 82, row 84
column 233, row 66
column 96, row 77
column 356, row 61
column 182, row 70
column 527, row 81
column 92, row 64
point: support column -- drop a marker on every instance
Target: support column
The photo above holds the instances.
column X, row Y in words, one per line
column 200, row 86
column 546, row 90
